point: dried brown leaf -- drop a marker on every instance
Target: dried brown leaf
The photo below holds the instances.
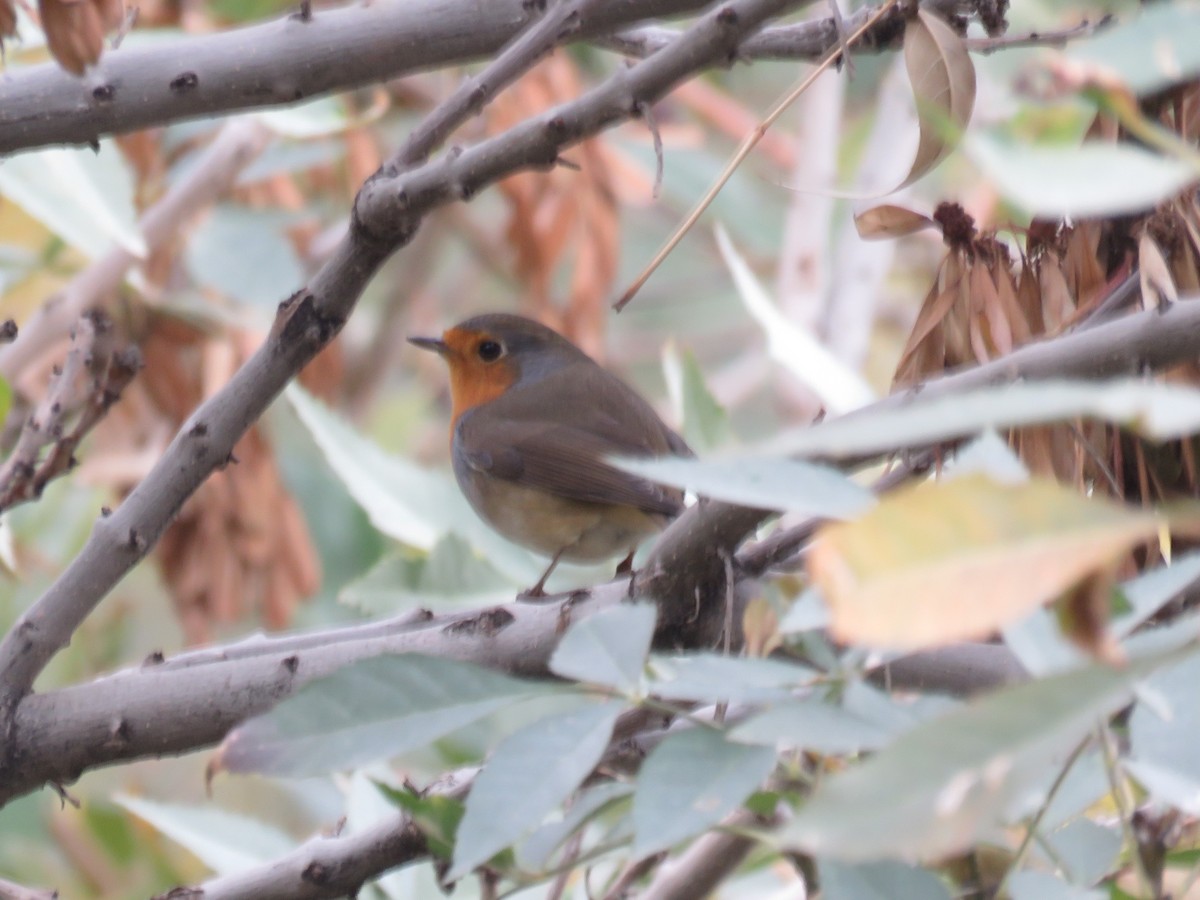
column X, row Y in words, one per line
column 74, row 32
column 889, row 220
column 943, row 81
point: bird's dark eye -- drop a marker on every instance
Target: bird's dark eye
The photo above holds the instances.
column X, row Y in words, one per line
column 490, row 351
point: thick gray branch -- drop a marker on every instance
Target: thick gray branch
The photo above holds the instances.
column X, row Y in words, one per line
column 191, row 701
column 388, row 213
column 274, row 63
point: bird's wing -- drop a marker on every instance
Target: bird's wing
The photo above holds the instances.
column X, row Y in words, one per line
column 562, row 460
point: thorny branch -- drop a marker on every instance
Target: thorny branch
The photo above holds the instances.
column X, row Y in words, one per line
column 88, row 383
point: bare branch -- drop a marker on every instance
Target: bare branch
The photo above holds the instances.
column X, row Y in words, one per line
column 561, row 22
column 273, row 64
column 387, row 213
column 336, row 866
column 11, row 891
column 88, row 383
column 710, row 859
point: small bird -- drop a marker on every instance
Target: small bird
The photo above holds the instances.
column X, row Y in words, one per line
column 532, row 423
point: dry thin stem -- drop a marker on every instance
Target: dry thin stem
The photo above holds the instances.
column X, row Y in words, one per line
column 743, row 151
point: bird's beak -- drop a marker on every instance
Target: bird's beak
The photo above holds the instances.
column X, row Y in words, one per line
column 437, row 345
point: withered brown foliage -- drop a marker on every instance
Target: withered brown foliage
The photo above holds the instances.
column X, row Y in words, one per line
column 990, row 297
column 567, row 217
column 240, row 544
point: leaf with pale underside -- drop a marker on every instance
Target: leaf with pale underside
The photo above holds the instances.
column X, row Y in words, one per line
column 529, row 775
column 948, row 561
column 937, row 788
column 943, row 82
column 369, row 710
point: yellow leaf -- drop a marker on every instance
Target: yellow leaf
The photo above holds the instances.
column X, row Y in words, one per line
column 954, row 560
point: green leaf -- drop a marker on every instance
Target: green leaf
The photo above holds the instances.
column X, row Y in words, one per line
column 1072, row 181
column 225, row 842
column 711, row 678
column 705, row 423
column 1164, row 732
column 607, row 648
column 529, row 775
column 1152, row 409
column 6, row 398
column 941, row 785
column 1152, row 590
column 436, row 816
column 370, row 710
column 1030, row 885
column 415, row 506
column 764, row 483
column 1160, row 48
column 813, row 725
column 451, row 575
column 691, row 781
column 243, row 254
column 534, row 853
column 879, row 881
column 83, row 197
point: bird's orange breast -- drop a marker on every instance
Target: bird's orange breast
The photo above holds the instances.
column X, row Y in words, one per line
column 473, row 382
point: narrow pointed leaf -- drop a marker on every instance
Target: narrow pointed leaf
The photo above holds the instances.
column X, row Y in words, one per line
column 367, row 711
column 765, row 483
column 690, row 782
column 939, row 786
column 226, row 842
column 529, row 775
column 607, row 648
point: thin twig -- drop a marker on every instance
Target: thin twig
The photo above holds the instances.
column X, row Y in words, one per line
column 1124, row 803
column 1059, row 38
column 1032, row 828
column 744, row 150
column 88, row 383
column 646, row 111
column 560, row 22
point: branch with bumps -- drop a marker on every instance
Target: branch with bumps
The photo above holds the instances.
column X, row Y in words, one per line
column 387, row 214
column 90, row 380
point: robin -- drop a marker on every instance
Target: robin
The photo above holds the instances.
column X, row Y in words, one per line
column 532, row 423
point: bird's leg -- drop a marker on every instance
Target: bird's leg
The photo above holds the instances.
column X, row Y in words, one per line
column 625, row 567
column 539, row 589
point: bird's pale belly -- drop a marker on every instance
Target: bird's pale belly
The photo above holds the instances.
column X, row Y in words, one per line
column 582, row 531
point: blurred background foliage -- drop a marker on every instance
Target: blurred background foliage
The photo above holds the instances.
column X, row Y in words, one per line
column 292, row 537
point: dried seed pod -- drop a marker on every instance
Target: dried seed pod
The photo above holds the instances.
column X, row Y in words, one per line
column 74, row 32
